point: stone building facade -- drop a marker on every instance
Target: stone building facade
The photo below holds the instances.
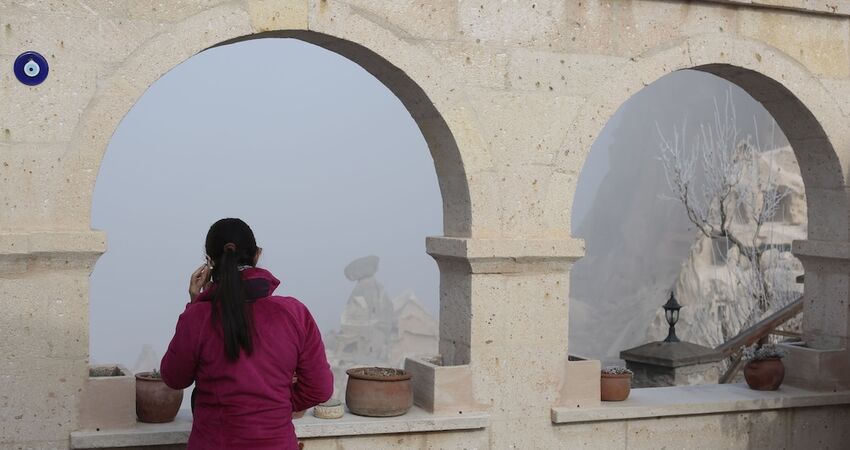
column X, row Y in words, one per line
column 509, row 96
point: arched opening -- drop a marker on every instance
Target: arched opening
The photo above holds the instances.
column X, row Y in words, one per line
column 820, row 172
column 637, row 228
column 391, row 176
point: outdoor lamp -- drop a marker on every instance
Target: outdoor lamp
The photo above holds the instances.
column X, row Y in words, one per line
column 671, row 313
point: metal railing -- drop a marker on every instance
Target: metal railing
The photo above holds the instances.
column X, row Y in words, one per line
column 757, row 333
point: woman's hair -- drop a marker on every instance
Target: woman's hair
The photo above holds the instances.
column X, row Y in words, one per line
column 230, row 244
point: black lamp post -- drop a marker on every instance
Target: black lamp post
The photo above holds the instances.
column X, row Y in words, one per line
column 671, row 313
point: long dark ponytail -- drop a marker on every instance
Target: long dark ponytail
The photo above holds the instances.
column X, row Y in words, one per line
column 230, row 244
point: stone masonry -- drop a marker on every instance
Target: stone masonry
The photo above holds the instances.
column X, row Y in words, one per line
column 509, row 96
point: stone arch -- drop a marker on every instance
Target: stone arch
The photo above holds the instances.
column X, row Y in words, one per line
column 800, row 104
column 808, row 116
column 392, row 63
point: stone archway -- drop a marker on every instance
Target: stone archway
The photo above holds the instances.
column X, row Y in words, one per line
column 410, row 72
column 808, row 117
column 393, row 62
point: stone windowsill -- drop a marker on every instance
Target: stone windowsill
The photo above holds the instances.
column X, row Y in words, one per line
column 697, row 400
column 177, row 432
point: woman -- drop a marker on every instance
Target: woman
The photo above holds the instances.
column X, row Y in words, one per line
column 242, row 346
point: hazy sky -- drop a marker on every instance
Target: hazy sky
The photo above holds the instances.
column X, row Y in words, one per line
column 320, row 158
column 637, row 237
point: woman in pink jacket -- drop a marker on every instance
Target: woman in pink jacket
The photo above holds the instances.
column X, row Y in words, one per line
column 242, row 346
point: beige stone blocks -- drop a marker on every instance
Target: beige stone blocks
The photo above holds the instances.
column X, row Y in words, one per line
column 567, row 73
column 826, row 314
column 467, row 440
column 270, row 15
column 511, row 23
column 840, row 91
column 38, row 401
column 833, row 8
column 473, row 65
column 434, row 20
column 509, row 96
column 821, row 43
column 824, row 427
column 511, row 125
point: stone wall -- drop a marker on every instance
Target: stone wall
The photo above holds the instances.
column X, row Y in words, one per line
column 509, row 97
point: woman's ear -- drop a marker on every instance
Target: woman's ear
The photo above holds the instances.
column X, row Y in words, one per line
column 257, row 255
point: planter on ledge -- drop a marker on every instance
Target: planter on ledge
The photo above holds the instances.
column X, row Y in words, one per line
column 378, row 391
column 108, row 400
column 616, row 384
column 441, row 389
column 764, row 375
column 155, row 401
column 764, row 370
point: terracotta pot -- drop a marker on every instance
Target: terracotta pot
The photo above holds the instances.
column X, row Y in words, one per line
column 765, row 374
column 378, row 391
column 156, row 402
column 616, row 388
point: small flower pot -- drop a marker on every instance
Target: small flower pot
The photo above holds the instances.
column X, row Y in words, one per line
column 616, row 387
column 378, row 392
column 764, row 374
column 155, row 401
column 331, row 409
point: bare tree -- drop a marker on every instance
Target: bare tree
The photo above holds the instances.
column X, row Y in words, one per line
column 728, row 194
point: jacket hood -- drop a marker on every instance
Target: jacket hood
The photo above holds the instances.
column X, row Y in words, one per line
column 259, row 283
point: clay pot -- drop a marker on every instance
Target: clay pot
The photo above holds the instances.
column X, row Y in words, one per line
column 156, row 402
column 616, row 388
column 765, row 374
column 378, row 391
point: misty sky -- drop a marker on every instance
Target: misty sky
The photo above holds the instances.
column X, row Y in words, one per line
column 319, row 157
column 323, row 162
column 637, row 237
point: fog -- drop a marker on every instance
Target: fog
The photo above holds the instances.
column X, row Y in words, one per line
column 326, row 165
column 636, row 237
column 319, row 157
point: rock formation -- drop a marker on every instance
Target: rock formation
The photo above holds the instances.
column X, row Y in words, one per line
column 644, row 255
column 375, row 330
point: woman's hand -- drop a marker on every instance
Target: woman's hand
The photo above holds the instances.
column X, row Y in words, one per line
column 199, row 281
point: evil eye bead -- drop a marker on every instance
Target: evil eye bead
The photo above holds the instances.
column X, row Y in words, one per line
column 31, row 68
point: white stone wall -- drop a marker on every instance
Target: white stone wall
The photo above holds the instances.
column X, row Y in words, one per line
column 509, row 96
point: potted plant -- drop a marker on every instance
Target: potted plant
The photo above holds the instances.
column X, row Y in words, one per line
column 764, row 370
column 155, row 401
column 616, row 383
column 112, row 381
column 378, row 391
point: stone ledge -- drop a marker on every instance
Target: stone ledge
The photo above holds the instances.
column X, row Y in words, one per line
column 821, row 249
column 52, row 242
column 507, row 255
column 835, row 8
column 698, row 400
column 177, row 432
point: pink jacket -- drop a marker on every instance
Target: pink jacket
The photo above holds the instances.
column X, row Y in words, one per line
column 248, row 403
